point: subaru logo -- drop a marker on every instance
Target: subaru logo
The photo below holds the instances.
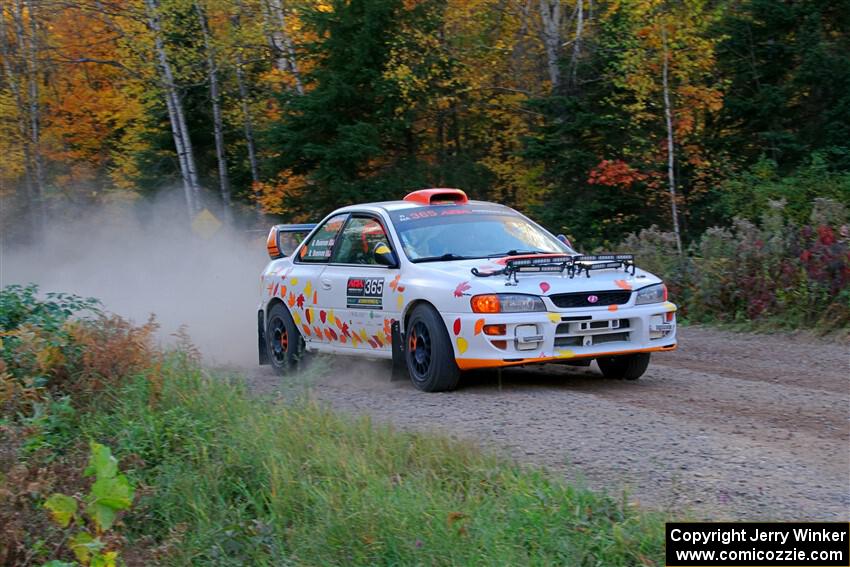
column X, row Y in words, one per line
column 592, row 299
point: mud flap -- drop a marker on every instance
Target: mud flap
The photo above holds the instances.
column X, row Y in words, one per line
column 262, row 347
column 399, row 364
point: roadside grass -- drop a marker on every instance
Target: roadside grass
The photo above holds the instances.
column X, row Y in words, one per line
column 222, row 477
column 232, row 480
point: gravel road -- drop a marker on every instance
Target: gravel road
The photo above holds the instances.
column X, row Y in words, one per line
column 731, row 426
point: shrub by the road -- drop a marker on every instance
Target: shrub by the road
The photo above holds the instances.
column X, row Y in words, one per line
column 774, row 273
column 63, row 345
column 222, row 478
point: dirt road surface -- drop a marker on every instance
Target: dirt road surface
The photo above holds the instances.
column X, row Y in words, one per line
column 731, row 426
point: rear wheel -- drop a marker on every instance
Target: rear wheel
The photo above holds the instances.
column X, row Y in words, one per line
column 284, row 342
column 624, row 367
column 429, row 354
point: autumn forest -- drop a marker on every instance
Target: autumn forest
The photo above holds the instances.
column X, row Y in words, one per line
column 598, row 117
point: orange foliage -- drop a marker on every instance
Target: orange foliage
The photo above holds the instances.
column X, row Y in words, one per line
column 113, row 347
column 615, row 173
column 87, row 108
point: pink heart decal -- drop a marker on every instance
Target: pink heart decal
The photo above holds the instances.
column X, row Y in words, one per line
column 544, row 286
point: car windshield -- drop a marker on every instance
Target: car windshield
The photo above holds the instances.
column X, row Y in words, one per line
column 445, row 232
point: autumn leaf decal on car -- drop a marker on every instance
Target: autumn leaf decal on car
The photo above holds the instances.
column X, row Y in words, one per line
column 461, row 288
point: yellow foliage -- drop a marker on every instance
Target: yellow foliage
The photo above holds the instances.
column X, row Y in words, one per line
column 11, row 146
column 325, row 7
column 282, row 195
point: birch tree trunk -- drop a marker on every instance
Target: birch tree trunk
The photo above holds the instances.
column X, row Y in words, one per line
column 247, row 121
column 577, row 44
column 551, row 20
column 218, row 127
column 668, row 116
column 35, row 110
column 182, row 143
column 280, row 41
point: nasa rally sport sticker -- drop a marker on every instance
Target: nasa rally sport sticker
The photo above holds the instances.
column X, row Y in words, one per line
column 365, row 293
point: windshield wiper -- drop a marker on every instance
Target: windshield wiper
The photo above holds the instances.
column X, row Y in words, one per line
column 444, row 258
column 517, row 253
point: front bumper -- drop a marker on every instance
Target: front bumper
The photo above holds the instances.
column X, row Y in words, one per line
column 554, row 336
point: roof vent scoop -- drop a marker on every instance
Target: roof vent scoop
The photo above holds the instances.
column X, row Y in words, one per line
column 437, row 197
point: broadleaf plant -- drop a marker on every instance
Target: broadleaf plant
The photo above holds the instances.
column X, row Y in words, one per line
column 110, row 493
column 63, row 508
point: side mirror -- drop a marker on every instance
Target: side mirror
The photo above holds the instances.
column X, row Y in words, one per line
column 565, row 240
column 384, row 255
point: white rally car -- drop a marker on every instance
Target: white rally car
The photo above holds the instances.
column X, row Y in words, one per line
column 441, row 284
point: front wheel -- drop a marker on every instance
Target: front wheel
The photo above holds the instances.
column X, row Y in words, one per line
column 624, row 367
column 284, row 343
column 429, row 354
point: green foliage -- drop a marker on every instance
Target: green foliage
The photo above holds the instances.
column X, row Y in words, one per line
column 51, row 427
column 579, row 131
column 750, row 194
column 788, row 67
column 343, row 122
column 110, row 494
column 101, row 463
column 347, row 134
column 20, row 306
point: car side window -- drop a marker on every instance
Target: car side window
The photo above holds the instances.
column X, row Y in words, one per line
column 321, row 245
column 357, row 243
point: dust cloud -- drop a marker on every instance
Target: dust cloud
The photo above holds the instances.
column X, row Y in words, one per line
column 141, row 258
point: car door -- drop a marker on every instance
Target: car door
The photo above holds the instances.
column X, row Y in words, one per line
column 363, row 304
column 303, row 294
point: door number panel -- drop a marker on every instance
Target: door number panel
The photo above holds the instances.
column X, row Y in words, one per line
column 365, row 293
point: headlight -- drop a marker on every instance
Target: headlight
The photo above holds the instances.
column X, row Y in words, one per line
column 652, row 294
column 506, row 303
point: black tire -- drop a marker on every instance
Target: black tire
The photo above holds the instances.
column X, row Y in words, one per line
column 429, row 354
column 284, row 343
column 624, row 367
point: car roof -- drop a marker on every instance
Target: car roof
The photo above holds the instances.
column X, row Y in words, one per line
column 392, row 206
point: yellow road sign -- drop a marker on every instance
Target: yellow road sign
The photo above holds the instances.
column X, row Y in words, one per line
column 206, row 224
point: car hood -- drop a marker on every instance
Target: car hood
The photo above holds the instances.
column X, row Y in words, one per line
column 546, row 283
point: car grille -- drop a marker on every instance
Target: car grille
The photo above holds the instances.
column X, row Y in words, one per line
column 606, row 331
column 610, row 338
column 564, row 328
column 569, row 300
